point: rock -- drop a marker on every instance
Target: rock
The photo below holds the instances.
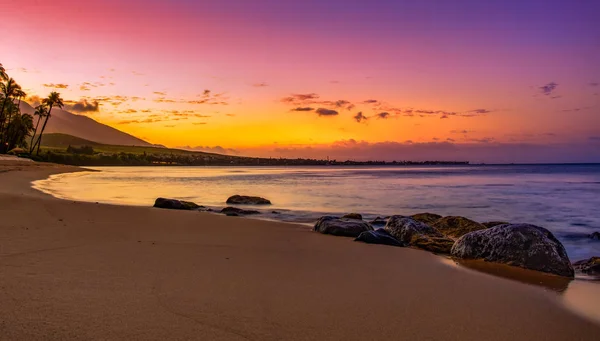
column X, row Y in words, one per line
column 427, row 218
column 379, row 221
column 232, row 214
column 456, row 227
column 588, row 266
column 418, row 234
column 341, row 227
column 489, row 224
column 527, row 246
column 353, row 216
column 595, row 235
column 379, row 236
column 174, row 204
column 246, row 200
column 433, row 244
column 231, row 211
column 404, row 229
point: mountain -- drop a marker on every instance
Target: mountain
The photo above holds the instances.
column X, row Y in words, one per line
column 84, row 127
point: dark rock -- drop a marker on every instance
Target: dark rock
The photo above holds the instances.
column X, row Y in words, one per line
column 595, row 235
column 247, row 200
column 418, row 234
column 456, row 227
column 232, row 214
column 341, row 227
column 237, row 211
column 353, row 216
column 489, row 224
column 174, row 204
column 427, row 218
column 527, row 246
column 379, row 236
column 433, row 244
column 404, row 229
column 588, row 266
column 379, row 221
column 275, row 212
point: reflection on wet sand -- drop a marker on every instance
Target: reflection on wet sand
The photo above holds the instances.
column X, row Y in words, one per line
column 548, row 281
column 581, row 295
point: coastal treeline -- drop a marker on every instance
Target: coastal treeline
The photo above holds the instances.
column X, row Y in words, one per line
column 18, row 133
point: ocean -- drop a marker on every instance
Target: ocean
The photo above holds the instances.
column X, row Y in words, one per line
column 562, row 198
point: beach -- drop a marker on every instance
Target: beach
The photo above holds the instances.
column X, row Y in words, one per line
column 80, row 270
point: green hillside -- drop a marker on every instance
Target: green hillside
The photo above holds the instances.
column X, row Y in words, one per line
column 59, row 142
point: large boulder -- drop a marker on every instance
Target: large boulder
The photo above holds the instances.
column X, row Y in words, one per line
column 379, row 236
column 174, row 204
column 427, row 218
column 418, row 234
column 247, row 200
column 342, row 227
column 588, row 266
column 353, row 216
column 527, row 246
column 456, row 227
column 234, row 211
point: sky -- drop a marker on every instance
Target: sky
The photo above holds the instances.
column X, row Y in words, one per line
column 483, row 81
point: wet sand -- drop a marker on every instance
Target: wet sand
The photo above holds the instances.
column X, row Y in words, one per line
column 74, row 270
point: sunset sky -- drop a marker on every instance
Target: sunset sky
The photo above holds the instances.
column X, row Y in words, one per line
column 502, row 81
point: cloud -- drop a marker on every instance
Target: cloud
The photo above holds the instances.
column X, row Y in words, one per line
column 199, row 123
column 481, row 111
column 159, row 93
column 84, row 105
column 576, row 109
column 212, row 149
column 371, row 101
column 594, row 138
column 360, row 117
column 303, row 109
column 260, row 85
column 341, row 103
column 383, row 115
column 56, row 86
column 548, row 89
column 34, row 100
column 300, row 98
column 326, row 112
column 464, row 131
column 594, row 84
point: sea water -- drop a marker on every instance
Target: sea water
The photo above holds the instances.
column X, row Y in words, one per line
column 562, row 198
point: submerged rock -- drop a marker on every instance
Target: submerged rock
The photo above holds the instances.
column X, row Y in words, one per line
column 247, row 200
column 588, row 266
column 341, row 227
column 174, row 204
column 234, row 211
column 379, row 236
column 427, row 218
column 418, row 234
column 527, row 246
column 595, row 235
column 456, row 227
column 353, row 216
column 489, row 224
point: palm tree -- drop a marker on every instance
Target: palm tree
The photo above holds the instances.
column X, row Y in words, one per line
column 53, row 99
column 8, row 90
column 40, row 111
column 17, row 92
column 3, row 75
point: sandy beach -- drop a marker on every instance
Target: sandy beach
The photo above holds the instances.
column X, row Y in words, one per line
column 75, row 270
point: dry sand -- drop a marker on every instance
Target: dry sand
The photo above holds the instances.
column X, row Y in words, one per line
column 72, row 270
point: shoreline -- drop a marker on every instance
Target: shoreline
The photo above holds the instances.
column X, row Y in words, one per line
column 229, row 277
